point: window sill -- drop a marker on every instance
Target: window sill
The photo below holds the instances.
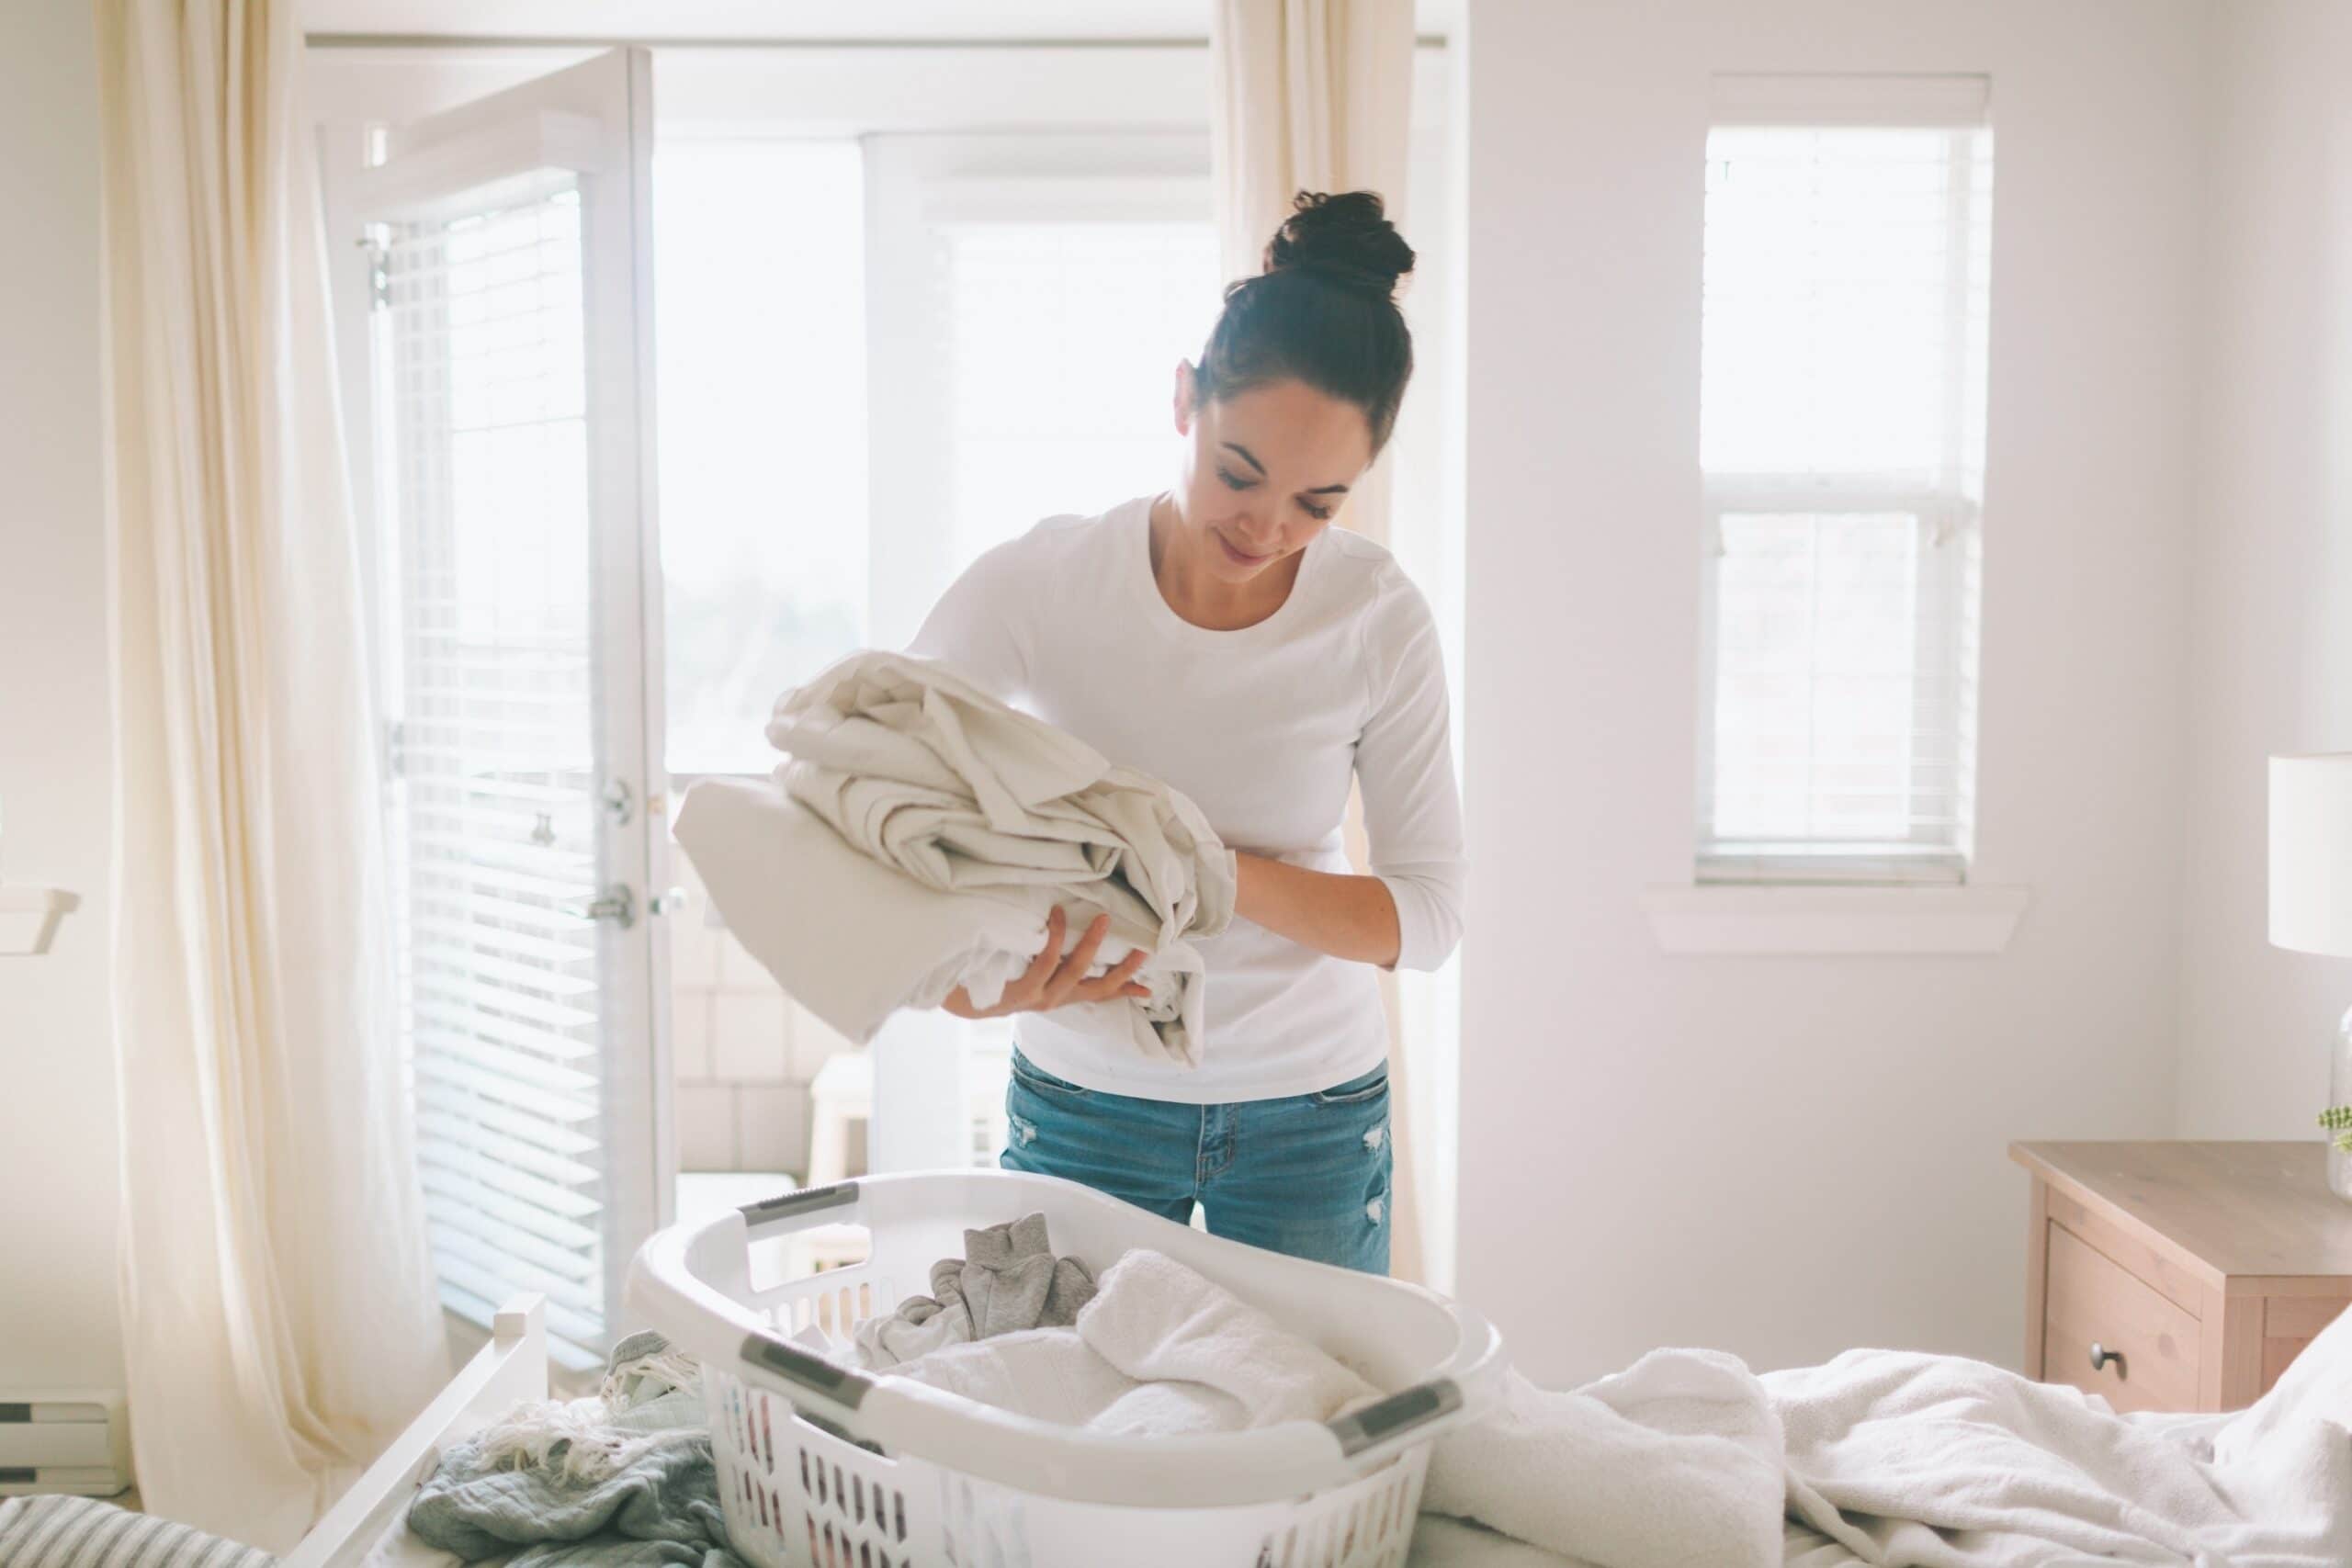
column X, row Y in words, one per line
column 1789, row 921
column 29, row 918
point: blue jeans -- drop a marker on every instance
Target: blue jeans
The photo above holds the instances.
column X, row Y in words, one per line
column 1306, row 1175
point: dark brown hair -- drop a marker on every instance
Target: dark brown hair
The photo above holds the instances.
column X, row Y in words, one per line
column 1324, row 311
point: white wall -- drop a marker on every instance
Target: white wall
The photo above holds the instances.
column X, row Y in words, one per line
column 57, row 1126
column 2270, row 636
column 1784, row 1156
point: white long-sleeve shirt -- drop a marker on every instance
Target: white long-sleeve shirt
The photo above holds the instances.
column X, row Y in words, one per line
column 1263, row 727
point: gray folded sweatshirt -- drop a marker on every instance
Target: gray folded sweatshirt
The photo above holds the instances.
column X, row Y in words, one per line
column 1008, row 1280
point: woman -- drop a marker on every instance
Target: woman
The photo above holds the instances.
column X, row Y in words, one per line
column 1226, row 639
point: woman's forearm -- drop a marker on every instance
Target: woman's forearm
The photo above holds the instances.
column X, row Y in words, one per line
column 1344, row 915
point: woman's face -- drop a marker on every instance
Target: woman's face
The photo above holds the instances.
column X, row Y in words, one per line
column 1264, row 471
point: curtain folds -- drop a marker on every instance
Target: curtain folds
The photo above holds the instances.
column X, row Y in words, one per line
column 279, row 1321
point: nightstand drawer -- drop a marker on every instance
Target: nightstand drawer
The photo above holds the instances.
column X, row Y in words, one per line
column 2094, row 1300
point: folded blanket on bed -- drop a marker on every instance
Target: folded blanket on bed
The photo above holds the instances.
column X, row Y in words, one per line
column 1906, row 1461
column 623, row 1479
column 1675, row 1461
column 920, row 833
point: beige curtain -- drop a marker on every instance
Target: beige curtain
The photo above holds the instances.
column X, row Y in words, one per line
column 278, row 1315
column 1316, row 95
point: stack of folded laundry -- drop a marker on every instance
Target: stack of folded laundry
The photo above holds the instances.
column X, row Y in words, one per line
column 919, row 833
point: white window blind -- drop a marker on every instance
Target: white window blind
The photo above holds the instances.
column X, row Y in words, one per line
column 1842, row 406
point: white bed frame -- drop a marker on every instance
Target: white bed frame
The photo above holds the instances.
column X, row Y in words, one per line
column 511, row 1368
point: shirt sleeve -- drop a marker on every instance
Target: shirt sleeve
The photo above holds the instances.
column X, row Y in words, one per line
column 974, row 626
column 1412, row 813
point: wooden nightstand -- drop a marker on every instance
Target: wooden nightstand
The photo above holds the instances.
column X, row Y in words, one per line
column 2179, row 1275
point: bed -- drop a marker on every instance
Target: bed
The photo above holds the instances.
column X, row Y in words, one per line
column 367, row 1529
column 1874, row 1438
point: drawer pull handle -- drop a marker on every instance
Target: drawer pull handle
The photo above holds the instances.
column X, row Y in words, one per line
column 2101, row 1355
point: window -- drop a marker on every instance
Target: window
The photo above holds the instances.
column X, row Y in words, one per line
column 1063, row 339
column 760, row 307
column 1842, row 418
column 881, row 356
column 1030, row 297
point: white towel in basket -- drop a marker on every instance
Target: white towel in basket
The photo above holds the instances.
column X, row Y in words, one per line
column 1157, row 1321
column 1160, row 1350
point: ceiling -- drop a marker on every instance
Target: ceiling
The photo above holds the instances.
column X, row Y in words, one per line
column 813, row 20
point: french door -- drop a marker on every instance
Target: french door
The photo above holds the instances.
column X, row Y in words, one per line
column 509, row 397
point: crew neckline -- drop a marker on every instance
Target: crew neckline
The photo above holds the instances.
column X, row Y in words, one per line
column 1158, row 609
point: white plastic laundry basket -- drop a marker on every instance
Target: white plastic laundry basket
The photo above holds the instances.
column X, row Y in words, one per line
column 822, row 1466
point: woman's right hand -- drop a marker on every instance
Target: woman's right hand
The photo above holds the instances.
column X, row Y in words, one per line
column 1050, row 984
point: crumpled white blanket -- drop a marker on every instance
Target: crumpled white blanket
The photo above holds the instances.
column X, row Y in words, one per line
column 922, row 833
column 1160, row 1350
column 1906, row 1461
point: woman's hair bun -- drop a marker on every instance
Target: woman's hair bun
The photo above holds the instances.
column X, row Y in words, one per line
column 1346, row 239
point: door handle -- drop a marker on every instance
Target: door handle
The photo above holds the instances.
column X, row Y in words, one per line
column 617, row 905
column 2101, row 1355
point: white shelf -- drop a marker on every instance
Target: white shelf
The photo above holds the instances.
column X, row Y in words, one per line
column 1782, row 919
column 29, row 918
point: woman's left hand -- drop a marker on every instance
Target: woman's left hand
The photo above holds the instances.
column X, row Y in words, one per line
column 1054, row 979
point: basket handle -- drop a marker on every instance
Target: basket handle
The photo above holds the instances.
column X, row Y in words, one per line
column 1387, row 1420
column 844, row 1386
column 790, row 1211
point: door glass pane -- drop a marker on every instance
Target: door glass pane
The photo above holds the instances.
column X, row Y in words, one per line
column 481, row 379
